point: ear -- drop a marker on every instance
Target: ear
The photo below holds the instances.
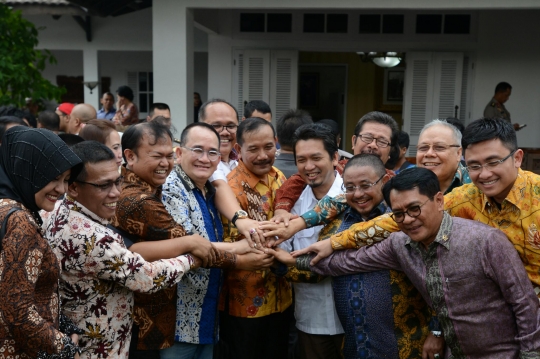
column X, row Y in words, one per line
column 237, row 148
column 73, row 190
column 439, row 200
column 178, row 153
column 385, row 179
column 130, row 156
column 335, row 160
column 459, row 153
column 518, row 158
column 353, row 141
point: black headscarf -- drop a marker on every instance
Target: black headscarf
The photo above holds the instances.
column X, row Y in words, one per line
column 30, row 158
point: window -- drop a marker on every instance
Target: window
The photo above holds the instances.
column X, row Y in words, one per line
column 457, row 24
column 428, row 24
column 252, row 22
column 337, row 23
column 146, row 90
column 313, row 22
column 393, row 24
column 279, row 22
column 370, row 24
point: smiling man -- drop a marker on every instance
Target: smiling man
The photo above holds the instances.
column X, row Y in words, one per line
column 99, row 274
column 466, row 271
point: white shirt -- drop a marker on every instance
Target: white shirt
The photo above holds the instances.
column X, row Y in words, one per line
column 223, row 169
column 315, row 311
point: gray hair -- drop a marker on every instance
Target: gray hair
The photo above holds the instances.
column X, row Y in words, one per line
column 455, row 131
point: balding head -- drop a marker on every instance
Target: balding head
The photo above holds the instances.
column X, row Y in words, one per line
column 81, row 114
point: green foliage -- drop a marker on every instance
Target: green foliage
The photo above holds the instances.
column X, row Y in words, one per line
column 20, row 63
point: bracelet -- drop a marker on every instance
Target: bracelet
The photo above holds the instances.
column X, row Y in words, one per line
column 436, row 333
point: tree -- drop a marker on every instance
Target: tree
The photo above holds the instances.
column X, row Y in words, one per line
column 21, row 63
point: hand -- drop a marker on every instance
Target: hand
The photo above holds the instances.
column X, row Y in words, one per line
column 243, row 247
column 277, row 233
column 283, row 256
column 197, row 262
column 202, row 248
column 75, row 339
column 322, row 248
column 250, row 229
column 76, row 356
column 254, row 261
column 432, row 346
column 282, row 215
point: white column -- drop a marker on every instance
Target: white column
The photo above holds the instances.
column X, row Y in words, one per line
column 172, row 37
column 91, row 73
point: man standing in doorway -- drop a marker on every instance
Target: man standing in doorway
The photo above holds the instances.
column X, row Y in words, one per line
column 495, row 108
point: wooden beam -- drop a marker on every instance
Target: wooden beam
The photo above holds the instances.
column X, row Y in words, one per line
column 86, row 25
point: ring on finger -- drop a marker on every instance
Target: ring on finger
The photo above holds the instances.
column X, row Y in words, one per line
column 437, row 356
column 252, row 231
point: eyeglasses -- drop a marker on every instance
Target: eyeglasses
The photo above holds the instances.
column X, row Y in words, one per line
column 213, row 155
column 490, row 165
column 381, row 142
column 437, row 147
column 230, row 128
column 106, row 187
column 363, row 187
column 412, row 212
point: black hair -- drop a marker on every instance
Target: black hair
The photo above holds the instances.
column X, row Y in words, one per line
column 125, row 91
column 502, row 87
column 287, row 125
column 456, row 123
column 49, row 120
column 108, row 94
column 414, row 177
column 485, row 129
column 366, row 160
column 332, row 124
column 187, row 130
column 403, row 139
column 256, row 105
column 91, row 152
column 131, row 139
column 316, row 131
column 381, row 118
column 28, row 116
column 70, row 139
column 249, row 125
column 9, row 120
column 202, row 110
column 157, row 105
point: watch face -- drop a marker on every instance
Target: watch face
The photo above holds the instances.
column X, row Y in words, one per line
column 242, row 213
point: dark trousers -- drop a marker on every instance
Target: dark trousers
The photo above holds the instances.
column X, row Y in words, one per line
column 255, row 338
column 315, row 346
column 140, row 354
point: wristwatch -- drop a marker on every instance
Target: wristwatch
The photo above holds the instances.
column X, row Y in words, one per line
column 436, row 333
column 240, row 214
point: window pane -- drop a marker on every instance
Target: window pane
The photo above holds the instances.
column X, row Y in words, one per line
column 457, row 24
column 337, row 23
column 370, row 24
column 143, row 81
column 151, row 81
column 279, row 22
column 251, row 22
column 393, row 24
column 151, row 98
column 428, row 24
column 143, row 103
column 313, row 22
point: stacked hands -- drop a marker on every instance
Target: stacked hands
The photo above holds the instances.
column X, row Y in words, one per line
column 259, row 248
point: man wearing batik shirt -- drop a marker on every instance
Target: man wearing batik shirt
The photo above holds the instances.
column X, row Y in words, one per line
column 99, row 274
column 141, row 214
column 468, row 272
column 190, row 199
column 254, row 301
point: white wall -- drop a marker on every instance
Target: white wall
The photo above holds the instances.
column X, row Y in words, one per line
column 69, row 63
column 116, row 64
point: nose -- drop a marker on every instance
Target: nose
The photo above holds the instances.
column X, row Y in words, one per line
column 115, row 191
column 309, row 165
column 204, row 157
column 430, row 152
column 60, row 187
column 408, row 219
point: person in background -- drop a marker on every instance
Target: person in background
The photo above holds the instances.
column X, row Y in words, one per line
column 49, row 120
column 127, row 112
column 197, row 103
column 64, row 112
column 35, row 168
column 104, row 132
column 495, row 108
column 257, row 108
column 107, row 110
column 286, row 126
column 336, row 131
column 401, row 163
column 7, row 122
column 160, row 109
column 81, row 114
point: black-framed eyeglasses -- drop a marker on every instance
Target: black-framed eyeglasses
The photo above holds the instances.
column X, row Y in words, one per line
column 106, row 187
column 230, row 128
column 381, row 142
column 436, row 147
column 197, row 152
column 413, row 212
column 489, row 165
column 365, row 187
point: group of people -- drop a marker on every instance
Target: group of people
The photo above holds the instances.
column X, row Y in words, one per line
column 143, row 245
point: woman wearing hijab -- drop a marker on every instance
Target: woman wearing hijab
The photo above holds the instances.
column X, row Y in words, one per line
column 35, row 165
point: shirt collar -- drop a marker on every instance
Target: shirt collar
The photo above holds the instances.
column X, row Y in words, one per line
column 250, row 177
column 131, row 179
column 75, row 206
column 443, row 236
column 514, row 196
column 190, row 185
